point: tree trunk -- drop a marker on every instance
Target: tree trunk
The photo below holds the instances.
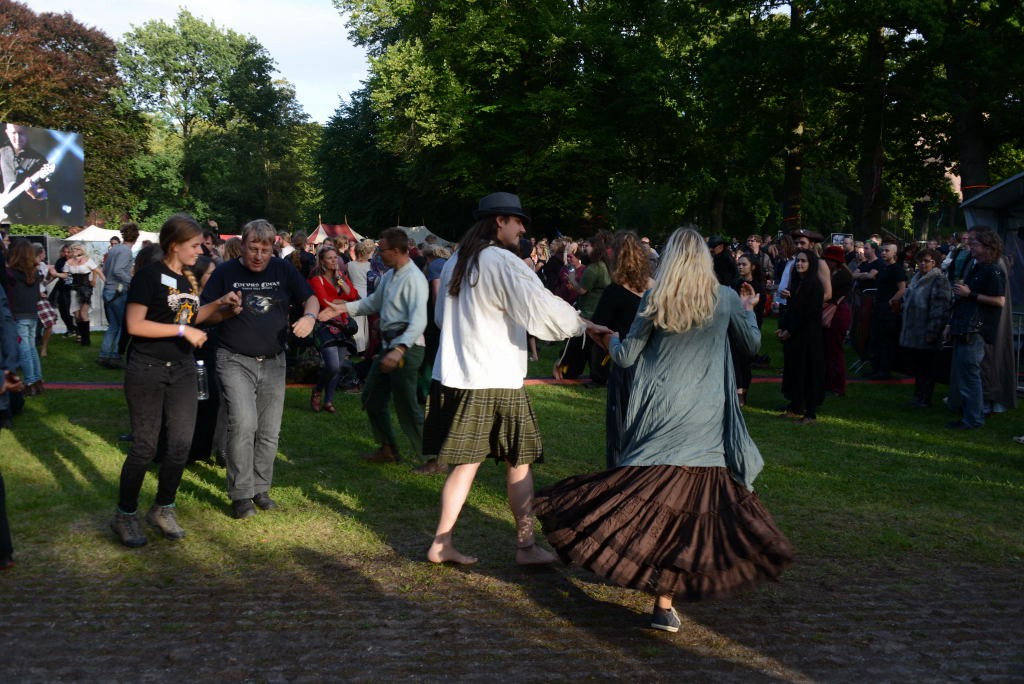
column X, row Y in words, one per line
column 872, row 153
column 718, row 208
column 969, row 127
column 792, row 183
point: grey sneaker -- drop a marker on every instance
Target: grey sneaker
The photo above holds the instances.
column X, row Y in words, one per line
column 165, row 519
column 666, row 620
column 126, row 527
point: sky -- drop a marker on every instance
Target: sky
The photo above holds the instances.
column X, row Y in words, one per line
column 307, row 38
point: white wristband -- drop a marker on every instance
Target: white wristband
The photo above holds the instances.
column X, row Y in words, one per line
column 181, row 330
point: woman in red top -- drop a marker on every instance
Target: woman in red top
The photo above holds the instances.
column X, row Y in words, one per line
column 331, row 283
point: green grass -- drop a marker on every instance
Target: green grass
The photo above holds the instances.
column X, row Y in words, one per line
column 871, row 482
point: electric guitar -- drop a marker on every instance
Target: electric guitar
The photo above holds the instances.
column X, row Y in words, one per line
column 10, row 195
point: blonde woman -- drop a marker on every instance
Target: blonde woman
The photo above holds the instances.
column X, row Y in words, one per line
column 85, row 273
column 357, row 271
column 678, row 518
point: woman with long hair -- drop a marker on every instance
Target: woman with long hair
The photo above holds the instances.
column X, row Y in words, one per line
column 358, row 270
column 300, row 257
column 47, row 313
column 749, row 273
column 330, row 283
column 677, row 518
column 160, row 381
column 24, row 277
column 631, row 276
column 803, row 347
column 84, row 275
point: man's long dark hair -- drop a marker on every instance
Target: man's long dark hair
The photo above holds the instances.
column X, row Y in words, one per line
column 480, row 236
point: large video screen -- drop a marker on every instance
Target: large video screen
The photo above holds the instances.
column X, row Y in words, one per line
column 42, row 176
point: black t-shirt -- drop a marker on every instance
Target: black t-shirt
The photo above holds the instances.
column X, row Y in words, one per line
column 616, row 308
column 888, row 282
column 168, row 298
column 261, row 329
column 971, row 316
column 868, row 267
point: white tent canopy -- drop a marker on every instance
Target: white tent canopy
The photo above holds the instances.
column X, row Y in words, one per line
column 97, row 234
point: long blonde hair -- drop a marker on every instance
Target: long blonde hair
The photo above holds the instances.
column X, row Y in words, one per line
column 685, row 292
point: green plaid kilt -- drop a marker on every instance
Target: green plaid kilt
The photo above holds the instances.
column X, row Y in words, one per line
column 468, row 426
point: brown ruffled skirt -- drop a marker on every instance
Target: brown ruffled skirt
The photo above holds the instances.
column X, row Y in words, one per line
column 690, row 532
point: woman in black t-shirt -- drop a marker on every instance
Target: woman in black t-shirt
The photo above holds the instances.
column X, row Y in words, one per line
column 160, row 381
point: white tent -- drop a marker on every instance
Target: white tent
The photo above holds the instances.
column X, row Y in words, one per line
column 97, row 234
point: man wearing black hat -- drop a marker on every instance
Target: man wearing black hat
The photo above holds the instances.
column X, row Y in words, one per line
column 723, row 261
column 489, row 301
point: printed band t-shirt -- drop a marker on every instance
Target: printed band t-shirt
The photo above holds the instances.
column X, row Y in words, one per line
column 168, row 298
column 261, row 328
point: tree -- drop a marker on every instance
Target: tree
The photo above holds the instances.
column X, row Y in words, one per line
column 184, row 91
column 238, row 127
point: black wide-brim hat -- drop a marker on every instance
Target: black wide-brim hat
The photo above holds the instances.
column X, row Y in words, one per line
column 809, row 234
column 500, row 204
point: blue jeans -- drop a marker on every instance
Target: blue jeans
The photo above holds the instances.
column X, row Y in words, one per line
column 31, row 369
column 114, row 304
column 965, row 379
column 334, row 358
column 252, row 389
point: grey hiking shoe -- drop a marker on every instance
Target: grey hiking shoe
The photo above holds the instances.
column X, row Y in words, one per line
column 126, row 527
column 666, row 620
column 165, row 519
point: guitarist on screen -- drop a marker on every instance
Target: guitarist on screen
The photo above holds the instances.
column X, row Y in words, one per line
column 18, row 163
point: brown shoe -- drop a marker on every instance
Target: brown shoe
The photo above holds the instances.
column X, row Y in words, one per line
column 329, row 408
column 385, row 454
column 431, row 467
column 314, row 401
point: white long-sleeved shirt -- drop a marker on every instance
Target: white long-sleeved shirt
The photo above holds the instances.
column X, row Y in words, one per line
column 484, row 329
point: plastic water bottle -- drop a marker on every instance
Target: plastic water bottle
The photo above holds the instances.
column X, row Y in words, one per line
column 202, row 381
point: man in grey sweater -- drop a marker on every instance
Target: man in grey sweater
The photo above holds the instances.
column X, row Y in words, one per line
column 117, row 274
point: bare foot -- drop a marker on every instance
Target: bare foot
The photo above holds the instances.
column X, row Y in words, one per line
column 439, row 553
column 535, row 555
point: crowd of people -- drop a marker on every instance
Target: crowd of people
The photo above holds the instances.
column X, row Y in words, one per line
column 443, row 334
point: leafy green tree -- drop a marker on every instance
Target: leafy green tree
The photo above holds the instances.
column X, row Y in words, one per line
column 243, row 144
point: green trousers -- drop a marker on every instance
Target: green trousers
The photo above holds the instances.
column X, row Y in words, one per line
column 400, row 384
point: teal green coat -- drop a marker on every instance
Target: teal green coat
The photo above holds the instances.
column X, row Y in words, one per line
column 683, row 408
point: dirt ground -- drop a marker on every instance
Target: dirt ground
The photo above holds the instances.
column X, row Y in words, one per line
column 331, row 619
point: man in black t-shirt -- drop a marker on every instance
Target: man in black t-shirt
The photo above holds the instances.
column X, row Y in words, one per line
column 890, row 284
column 973, row 320
column 251, row 360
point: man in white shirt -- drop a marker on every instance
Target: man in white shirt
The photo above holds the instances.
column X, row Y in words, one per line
column 489, row 302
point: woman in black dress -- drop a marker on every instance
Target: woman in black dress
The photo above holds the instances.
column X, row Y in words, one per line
column 803, row 345
column 631, row 276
